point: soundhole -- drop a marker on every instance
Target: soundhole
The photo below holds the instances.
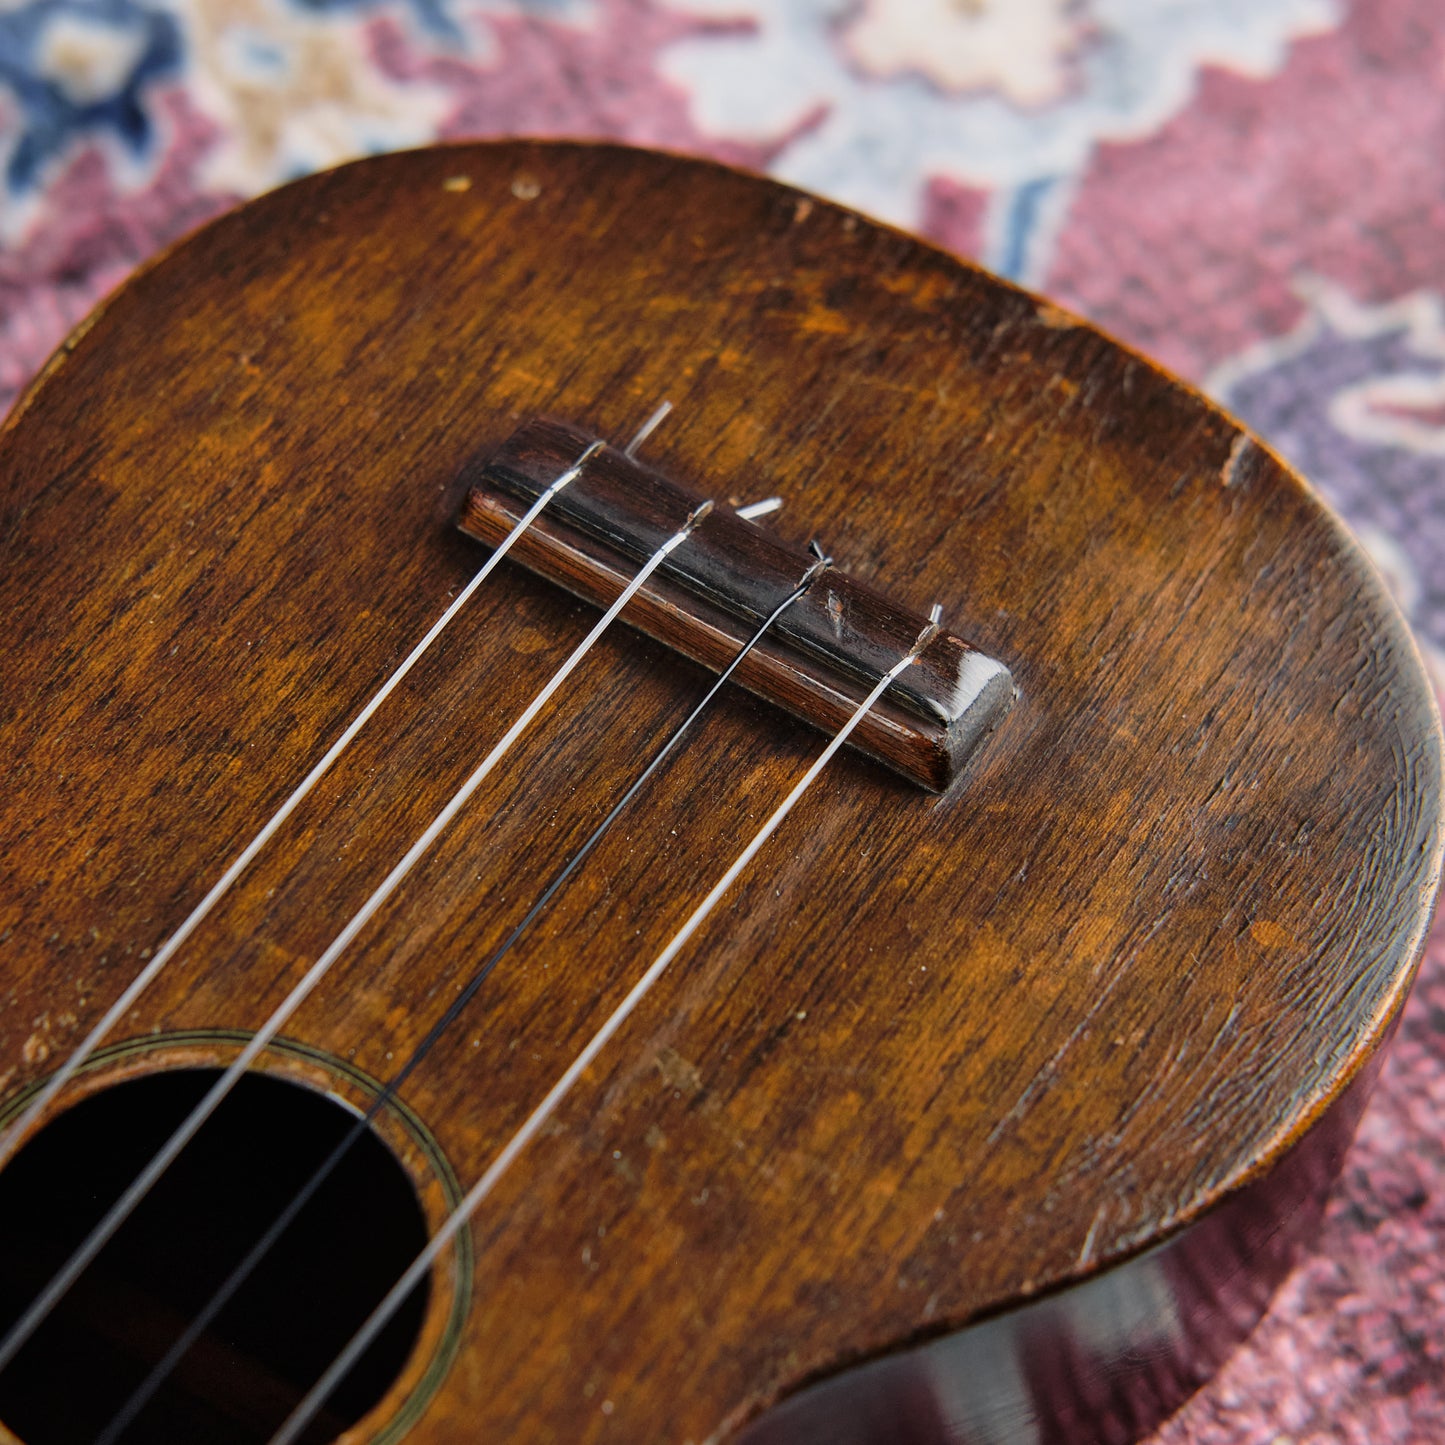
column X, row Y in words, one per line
column 298, row 1309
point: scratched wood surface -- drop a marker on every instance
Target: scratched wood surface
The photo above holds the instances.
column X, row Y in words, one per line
column 936, row 1055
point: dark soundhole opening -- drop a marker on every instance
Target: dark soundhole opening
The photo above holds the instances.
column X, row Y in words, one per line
column 290, row 1320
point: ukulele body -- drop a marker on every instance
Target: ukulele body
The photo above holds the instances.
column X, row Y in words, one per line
column 988, row 1115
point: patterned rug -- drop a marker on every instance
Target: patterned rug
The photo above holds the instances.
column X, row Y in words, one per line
column 1250, row 190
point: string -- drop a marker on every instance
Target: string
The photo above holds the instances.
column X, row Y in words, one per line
column 659, row 415
column 238, row 1276
column 121, row 1210
column 301, row 1416
column 11, row 1137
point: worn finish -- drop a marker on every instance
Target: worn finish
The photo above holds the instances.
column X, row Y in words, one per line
column 820, row 658
column 1102, row 1359
column 938, row 1055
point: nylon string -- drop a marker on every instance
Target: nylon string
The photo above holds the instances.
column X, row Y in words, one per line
column 10, row 1138
column 121, row 1210
column 302, row 1415
column 238, row 1276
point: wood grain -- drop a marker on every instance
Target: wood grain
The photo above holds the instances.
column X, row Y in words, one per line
column 936, row 1057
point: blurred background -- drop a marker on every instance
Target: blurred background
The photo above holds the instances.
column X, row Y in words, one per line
column 1252, row 191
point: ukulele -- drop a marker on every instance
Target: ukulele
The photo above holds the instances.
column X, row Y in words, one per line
column 944, row 1029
